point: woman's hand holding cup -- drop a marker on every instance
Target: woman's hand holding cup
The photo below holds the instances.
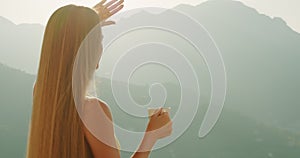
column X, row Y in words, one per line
column 160, row 124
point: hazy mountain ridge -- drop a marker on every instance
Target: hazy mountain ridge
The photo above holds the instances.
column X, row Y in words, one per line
column 235, row 7
column 262, row 59
column 234, row 135
column 260, row 54
column 20, row 45
column 15, row 103
column 10, row 31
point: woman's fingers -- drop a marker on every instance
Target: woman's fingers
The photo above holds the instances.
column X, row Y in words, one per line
column 107, row 10
column 116, row 10
column 109, row 3
column 100, row 4
column 157, row 112
column 115, row 5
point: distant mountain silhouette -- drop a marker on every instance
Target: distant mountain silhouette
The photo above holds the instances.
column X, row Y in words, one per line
column 261, row 56
column 234, row 135
column 20, row 45
column 15, row 109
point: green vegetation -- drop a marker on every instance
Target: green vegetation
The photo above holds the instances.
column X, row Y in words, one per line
column 261, row 113
column 15, row 108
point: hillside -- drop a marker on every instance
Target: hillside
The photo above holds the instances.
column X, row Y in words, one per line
column 20, row 45
column 261, row 55
column 235, row 135
column 15, row 109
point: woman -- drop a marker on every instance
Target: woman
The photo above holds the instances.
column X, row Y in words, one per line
column 56, row 129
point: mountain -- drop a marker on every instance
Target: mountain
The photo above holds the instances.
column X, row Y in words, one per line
column 20, row 45
column 15, row 109
column 261, row 57
column 234, row 135
column 261, row 54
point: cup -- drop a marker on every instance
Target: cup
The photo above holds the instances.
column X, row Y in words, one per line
column 151, row 111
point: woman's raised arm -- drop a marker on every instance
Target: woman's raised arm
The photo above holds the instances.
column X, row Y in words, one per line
column 107, row 10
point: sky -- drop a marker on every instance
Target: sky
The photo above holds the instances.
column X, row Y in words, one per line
column 38, row 11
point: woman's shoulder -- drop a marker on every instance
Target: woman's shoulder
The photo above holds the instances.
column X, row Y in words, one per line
column 92, row 101
column 95, row 100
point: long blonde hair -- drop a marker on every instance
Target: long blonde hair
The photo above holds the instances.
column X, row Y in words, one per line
column 56, row 130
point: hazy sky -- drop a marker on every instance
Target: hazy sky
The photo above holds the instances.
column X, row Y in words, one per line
column 38, row 11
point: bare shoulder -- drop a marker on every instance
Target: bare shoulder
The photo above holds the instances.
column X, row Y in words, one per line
column 101, row 139
column 102, row 104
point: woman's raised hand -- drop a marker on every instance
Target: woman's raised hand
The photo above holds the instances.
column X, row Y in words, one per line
column 160, row 124
column 106, row 10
